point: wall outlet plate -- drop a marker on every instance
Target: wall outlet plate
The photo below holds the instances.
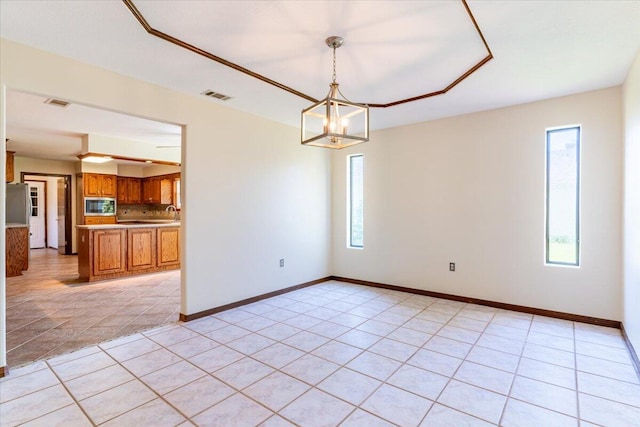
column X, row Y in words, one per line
column 282, row 262
column 452, row 266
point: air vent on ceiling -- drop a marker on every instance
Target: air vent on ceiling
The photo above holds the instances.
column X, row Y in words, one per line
column 57, row 102
column 216, row 95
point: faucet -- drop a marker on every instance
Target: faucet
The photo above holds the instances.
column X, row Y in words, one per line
column 175, row 211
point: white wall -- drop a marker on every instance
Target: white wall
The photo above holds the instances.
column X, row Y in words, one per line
column 253, row 195
column 28, row 164
column 470, row 190
column 631, row 100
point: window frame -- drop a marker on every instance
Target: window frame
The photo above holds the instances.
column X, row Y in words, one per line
column 578, row 252
column 350, row 243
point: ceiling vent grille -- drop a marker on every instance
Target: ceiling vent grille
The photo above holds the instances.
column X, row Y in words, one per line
column 216, row 95
column 57, row 102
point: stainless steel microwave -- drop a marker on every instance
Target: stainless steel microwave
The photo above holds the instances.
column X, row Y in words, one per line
column 105, row 206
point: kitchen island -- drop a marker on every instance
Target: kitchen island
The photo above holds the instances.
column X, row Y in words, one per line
column 127, row 249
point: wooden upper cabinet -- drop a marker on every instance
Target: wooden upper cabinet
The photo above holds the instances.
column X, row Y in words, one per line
column 135, row 190
column 99, row 185
column 10, row 168
column 151, row 190
column 129, row 190
column 108, row 185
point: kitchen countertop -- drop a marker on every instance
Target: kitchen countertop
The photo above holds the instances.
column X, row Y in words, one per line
column 129, row 225
column 16, row 225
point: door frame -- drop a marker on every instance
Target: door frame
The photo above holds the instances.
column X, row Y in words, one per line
column 68, row 248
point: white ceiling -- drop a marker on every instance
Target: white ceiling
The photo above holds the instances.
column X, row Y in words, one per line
column 393, row 50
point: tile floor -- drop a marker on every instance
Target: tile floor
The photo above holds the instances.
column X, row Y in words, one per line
column 51, row 312
column 338, row 354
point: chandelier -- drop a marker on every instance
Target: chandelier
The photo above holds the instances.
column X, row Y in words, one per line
column 335, row 122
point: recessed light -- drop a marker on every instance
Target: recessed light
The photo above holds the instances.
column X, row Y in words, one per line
column 96, row 159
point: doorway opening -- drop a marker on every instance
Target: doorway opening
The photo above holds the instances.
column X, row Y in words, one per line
column 50, row 220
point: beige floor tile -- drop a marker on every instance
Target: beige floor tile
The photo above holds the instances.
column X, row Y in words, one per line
column 361, row 418
column 546, row 395
column 550, row 355
column 306, row 341
column 607, row 388
column 276, row 391
column 423, row 383
column 243, row 373
column 69, row 416
column 34, row 405
column 441, row 416
column 358, row 338
column 608, row 413
column 521, row 414
column 485, row 377
column 279, row 331
column 116, row 401
column 216, row 358
column 310, row 369
column 396, row 405
column 278, row 355
column 250, row 344
column 393, row 349
column 98, row 381
column 410, row 336
column 613, row 354
column 435, row 362
column 193, row 346
column 82, row 366
column 276, row 421
column 151, row 362
column 493, row 358
column 208, row 390
column 155, row 413
column 171, row 377
column 236, row 411
column 614, row 370
column 546, row 372
column 349, row 385
column 133, row 349
column 337, row 352
column 448, row 346
column 316, row 409
column 19, row 386
column 473, row 400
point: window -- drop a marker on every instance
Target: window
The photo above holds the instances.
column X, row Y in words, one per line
column 355, row 200
column 563, row 196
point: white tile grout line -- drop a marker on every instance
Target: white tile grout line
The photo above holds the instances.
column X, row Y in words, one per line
column 453, row 315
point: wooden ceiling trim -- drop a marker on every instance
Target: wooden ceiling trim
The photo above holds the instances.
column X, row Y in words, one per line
column 149, row 29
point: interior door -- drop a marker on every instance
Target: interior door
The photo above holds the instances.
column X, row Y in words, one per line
column 37, row 219
column 60, row 218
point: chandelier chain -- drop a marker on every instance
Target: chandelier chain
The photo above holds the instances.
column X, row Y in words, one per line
column 334, row 64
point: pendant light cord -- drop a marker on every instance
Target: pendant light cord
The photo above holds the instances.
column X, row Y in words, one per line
column 334, row 64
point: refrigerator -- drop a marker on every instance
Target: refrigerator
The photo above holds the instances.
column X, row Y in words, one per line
column 18, row 204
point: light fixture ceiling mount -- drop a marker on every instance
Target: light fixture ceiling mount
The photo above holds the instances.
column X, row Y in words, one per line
column 335, row 122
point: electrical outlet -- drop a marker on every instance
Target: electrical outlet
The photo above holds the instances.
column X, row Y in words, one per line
column 452, row 266
column 282, row 262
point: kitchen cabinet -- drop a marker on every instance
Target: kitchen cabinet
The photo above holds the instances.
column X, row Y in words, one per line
column 93, row 220
column 141, row 245
column 129, row 190
column 99, row 185
column 17, row 249
column 109, row 250
column 168, row 246
column 158, row 190
column 10, row 171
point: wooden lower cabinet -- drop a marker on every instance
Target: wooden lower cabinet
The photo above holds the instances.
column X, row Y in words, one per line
column 141, row 244
column 126, row 251
column 108, row 252
column 168, row 246
column 16, row 250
